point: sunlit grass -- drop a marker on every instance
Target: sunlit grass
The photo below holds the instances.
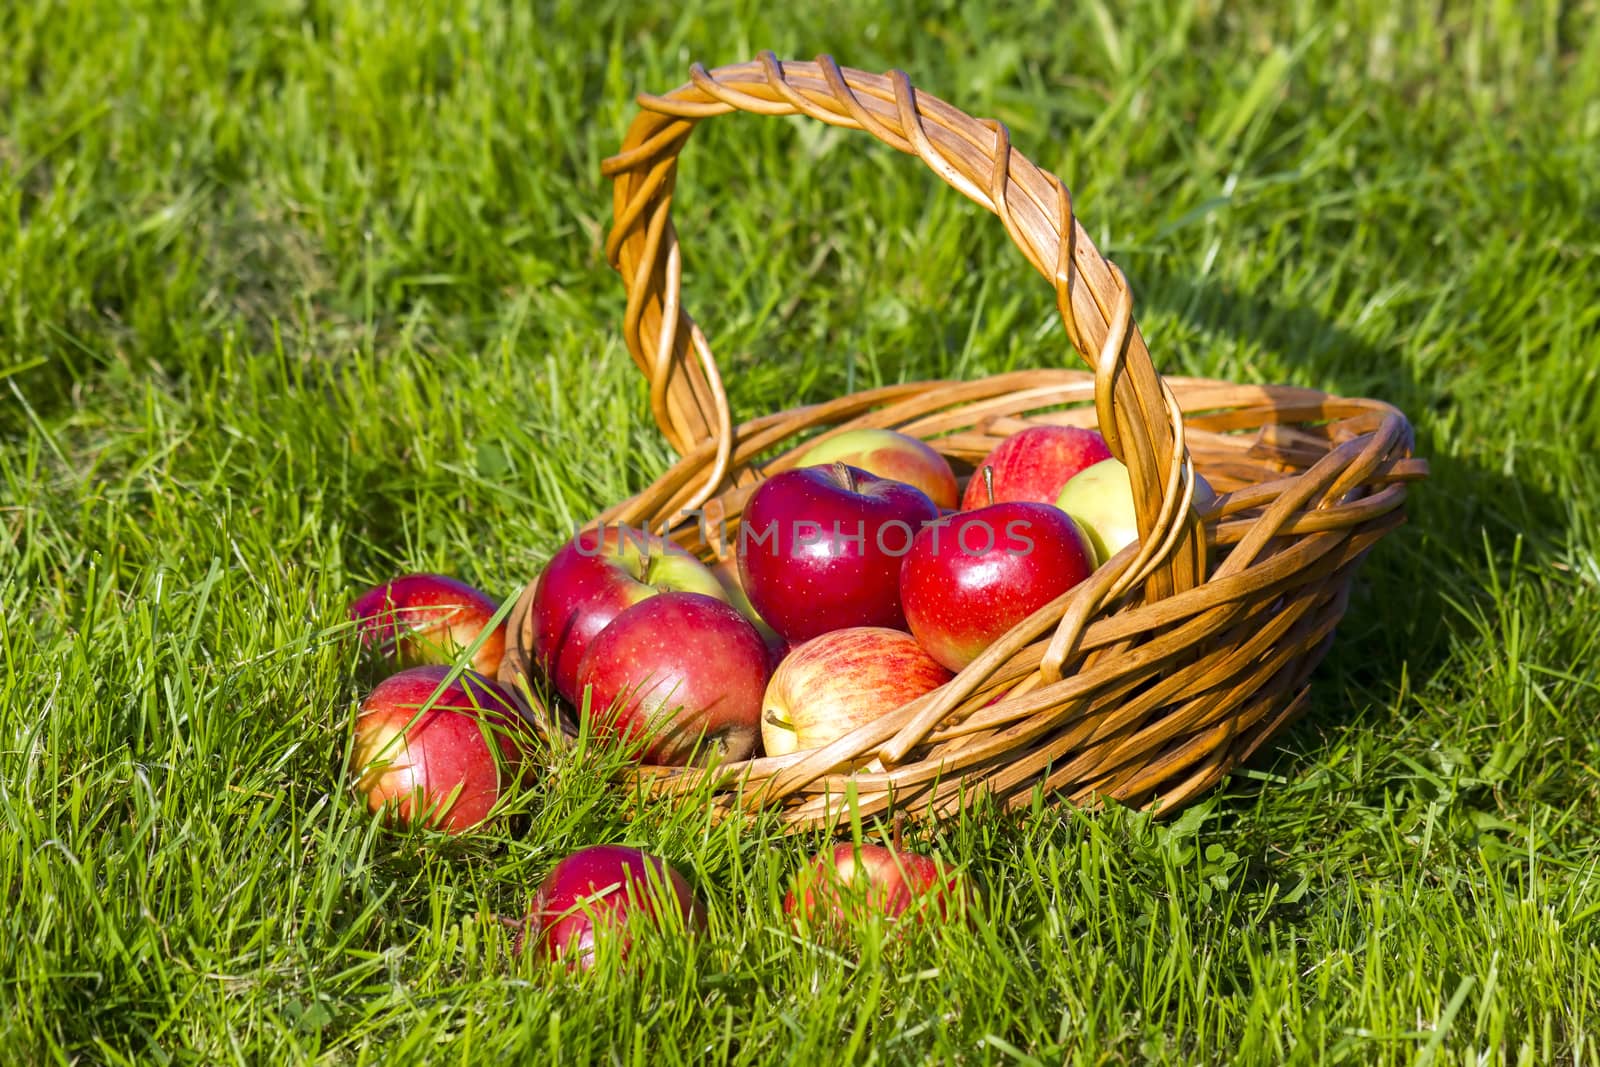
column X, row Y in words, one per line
column 294, row 296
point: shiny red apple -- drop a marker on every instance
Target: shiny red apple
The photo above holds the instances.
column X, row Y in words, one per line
column 849, row 883
column 890, row 454
column 967, row 581
column 429, row 618
column 833, row 683
column 820, row 547
column 437, row 761
column 1034, row 464
column 679, row 677
column 591, row 580
column 605, row 892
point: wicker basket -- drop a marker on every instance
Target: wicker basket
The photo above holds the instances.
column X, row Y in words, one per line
column 1146, row 683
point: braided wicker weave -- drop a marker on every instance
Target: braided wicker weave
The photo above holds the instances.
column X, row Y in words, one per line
column 1148, row 682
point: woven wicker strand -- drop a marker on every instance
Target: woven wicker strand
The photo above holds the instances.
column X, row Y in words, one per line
column 1148, row 682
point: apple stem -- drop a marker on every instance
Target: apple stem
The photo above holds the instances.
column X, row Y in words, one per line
column 773, row 718
column 899, row 832
column 846, row 475
column 988, row 482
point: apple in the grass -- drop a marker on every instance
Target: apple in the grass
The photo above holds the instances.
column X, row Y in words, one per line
column 727, row 572
column 437, row 762
column 967, row 581
column 890, row 454
column 429, row 618
column 1100, row 499
column 846, row 883
column 678, row 676
column 1033, row 464
column 591, row 580
column 820, row 547
column 605, row 892
column 833, row 683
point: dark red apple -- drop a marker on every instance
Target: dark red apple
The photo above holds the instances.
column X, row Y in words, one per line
column 602, row 892
column 1034, row 464
column 429, row 618
column 820, row 548
column 844, row 884
column 591, row 579
column 679, row 677
column 967, row 581
column 441, row 762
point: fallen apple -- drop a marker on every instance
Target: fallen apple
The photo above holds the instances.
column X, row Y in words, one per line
column 820, row 547
column 441, row 761
column 848, row 884
column 605, row 892
column 678, row 677
column 1100, row 499
column 591, row 579
column 831, row 684
column 967, row 581
column 1033, row 464
column 429, row 618
column 893, row 455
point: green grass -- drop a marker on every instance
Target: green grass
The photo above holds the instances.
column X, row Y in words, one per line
column 295, row 294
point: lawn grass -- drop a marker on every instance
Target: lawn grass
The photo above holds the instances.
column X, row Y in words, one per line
column 297, row 295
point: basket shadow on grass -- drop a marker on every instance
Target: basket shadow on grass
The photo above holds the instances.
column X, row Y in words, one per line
column 1397, row 630
column 1402, row 613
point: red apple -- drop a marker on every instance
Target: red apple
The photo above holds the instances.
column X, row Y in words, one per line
column 842, row 885
column 1100, row 500
column 678, row 675
column 967, row 581
column 602, row 892
column 1034, row 464
column 591, row 579
column 893, row 455
column 429, row 618
column 727, row 572
column 832, row 684
column 820, row 548
column 438, row 762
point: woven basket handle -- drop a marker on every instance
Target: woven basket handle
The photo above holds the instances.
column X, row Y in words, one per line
column 1137, row 414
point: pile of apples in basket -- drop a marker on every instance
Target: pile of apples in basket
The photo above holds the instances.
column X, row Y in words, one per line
column 862, row 578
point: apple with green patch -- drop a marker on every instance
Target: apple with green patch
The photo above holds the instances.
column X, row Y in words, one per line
column 1033, row 464
column 889, row 454
column 594, row 578
column 1100, row 500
